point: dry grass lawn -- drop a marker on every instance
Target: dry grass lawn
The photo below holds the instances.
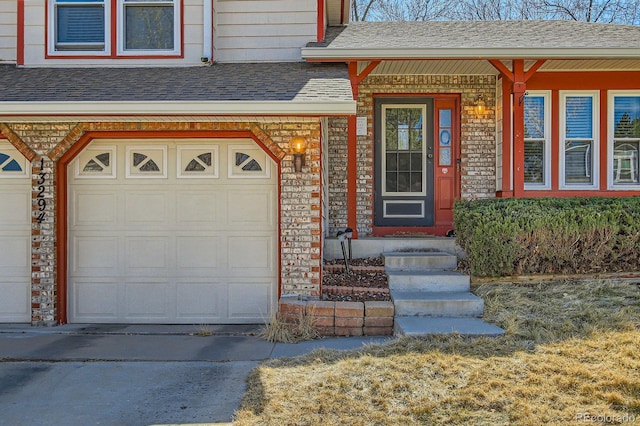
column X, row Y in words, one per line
column 570, row 355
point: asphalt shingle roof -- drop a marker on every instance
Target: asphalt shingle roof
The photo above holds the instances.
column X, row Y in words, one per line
column 256, row 82
column 481, row 35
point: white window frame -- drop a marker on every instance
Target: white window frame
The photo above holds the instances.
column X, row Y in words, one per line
column 611, row 95
column 595, row 138
column 176, row 28
column 546, row 95
column 120, row 39
column 51, row 33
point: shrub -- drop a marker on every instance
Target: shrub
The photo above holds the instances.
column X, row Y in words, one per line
column 549, row 235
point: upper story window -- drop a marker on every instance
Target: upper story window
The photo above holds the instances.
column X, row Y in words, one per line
column 537, row 141
column 142, row 27
column 624, row 143
column 579, row 145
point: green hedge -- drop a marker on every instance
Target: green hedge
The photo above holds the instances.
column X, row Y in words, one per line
column 549, row 235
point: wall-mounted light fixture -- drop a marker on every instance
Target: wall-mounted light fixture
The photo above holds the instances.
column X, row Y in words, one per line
column 480, row 105
column 298, row 146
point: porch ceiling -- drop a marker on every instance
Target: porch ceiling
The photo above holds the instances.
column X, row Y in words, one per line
column 483, row 67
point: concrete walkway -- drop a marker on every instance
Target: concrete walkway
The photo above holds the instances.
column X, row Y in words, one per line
column 134, row 374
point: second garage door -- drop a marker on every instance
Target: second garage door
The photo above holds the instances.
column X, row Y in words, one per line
column 172, row 232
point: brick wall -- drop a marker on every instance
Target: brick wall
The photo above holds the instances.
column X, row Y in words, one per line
column 478, row 163
column 46, row 143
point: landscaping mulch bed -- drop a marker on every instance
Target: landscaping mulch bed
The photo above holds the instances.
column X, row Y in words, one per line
column 365, row 281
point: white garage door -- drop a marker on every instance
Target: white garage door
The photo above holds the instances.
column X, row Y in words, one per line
column 172, row 232
column 15, row 235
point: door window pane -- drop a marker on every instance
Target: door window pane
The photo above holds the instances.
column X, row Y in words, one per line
column 404, row 149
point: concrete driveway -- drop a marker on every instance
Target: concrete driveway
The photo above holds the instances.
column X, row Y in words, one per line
column 133, row 375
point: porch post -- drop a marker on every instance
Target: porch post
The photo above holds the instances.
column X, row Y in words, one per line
column 352, row 145
column 519, row 91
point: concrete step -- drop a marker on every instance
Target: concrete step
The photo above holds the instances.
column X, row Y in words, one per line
column 431, row 281
column 437, row 304
column 419, row 261
column 426, row 326
column 373, row 246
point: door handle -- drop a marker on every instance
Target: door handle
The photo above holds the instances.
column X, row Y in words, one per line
column 429, row 155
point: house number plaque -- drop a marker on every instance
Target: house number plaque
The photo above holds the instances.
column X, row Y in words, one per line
column 42, row 202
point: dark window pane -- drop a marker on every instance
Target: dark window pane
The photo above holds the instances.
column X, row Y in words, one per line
column 404, row 182
column 627, row 116
column 579, row 117
column 416, row 182
column 415, row 138
column 626, row 162
column 80, row 24
column 404, row 162
column 416, row 162
column 534, row 117
column 577, row 162
column 392, row 182
column 534, row 162
column 392, row 162
column 149, row 27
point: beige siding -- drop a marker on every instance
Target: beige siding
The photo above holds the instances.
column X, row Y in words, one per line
column 266, row 30
column 8, row 31
column 35, row 48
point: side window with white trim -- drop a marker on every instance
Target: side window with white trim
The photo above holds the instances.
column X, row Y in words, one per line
column 79, row 25
column 579, row 144
column 143, row 27
column 537, row 141
column 624, row 147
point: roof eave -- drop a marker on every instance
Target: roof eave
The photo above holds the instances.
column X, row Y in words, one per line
column 349, row 54
column 282, row 108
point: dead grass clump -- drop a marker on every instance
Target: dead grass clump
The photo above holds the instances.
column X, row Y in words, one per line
column 277, row 330
column 570, row 354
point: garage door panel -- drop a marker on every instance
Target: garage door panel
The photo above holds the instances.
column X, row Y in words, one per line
column 14, row 250
column 15, row 235
column 198, row 253
column 200, row 300
column 250, row 300
column 15, row 301
column 146, row 300
column 147, row 255
column 250, row 254
column 251, row 208
column 147, row 208
column 15, row 208
column 94, row 300
column 191, row 245
column 198, row 208
column 92, row 208
column 93, row 253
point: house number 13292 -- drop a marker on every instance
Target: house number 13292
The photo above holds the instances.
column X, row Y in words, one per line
column 42, row 203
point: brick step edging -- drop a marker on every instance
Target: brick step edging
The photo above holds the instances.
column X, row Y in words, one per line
column 335, row 318
column 337, row 289
column 353, row 268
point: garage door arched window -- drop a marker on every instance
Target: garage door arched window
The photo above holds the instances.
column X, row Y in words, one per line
column 246, row 161
column 12, row 163
column 146, row 162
